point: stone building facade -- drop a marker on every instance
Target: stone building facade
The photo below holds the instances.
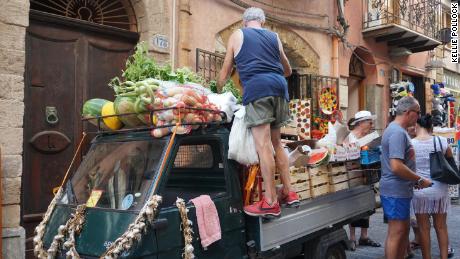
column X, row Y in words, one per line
column 174, row 29
column 13, row 23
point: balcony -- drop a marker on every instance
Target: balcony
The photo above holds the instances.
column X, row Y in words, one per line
column 407, row 26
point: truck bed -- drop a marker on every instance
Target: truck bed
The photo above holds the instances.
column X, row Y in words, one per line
column 312, row 216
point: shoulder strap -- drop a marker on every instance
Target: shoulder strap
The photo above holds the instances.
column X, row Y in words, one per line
column 440, row 144
column 434, row 143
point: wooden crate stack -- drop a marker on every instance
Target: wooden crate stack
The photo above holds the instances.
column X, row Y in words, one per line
column 300, row 180
column 338, row 177
column 355, row 174
column 319, row 180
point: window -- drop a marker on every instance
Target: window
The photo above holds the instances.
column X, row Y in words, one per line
column 198, row 169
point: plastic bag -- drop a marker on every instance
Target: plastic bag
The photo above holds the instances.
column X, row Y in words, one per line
column 226, row 102
column 241, row 146
column 330, row 139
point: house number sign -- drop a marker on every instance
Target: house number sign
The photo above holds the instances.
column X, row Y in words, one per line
column 161, row 41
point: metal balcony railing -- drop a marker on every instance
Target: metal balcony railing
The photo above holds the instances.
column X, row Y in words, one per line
column 422, row 16
column 208, row 64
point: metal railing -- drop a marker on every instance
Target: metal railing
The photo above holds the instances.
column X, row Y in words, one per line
column 423, row 16
column 208, row 64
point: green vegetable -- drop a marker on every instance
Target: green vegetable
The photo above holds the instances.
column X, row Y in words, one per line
column 124, row 105
column 230, row 87
column 213, row 86
column 141, row 66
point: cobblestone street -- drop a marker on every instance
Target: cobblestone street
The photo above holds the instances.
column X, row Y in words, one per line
column 378, row 232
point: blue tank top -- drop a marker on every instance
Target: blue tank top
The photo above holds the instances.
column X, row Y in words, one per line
column 259, row 66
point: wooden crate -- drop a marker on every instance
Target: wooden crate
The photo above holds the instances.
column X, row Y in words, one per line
column 322, row 169
column 353, row 165
column 319, row 190
column 338, row 178
column 303, row 195
column 319, row 179
column 356, row 181
column 338, row 167
column 338, row 186
column 355, row 174
column 297, row 178
column 302, row 186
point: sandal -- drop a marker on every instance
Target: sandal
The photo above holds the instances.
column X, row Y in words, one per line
column 450, row 252
column 415, row 245
column 368, row 242
column 352, row 245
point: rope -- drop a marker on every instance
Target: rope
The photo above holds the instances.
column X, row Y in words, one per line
column 55, row 189
column 168, row 151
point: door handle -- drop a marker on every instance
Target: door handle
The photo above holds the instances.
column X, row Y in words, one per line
column 160, row 224
column 51, row 115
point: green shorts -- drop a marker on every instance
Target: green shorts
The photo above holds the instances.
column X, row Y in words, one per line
column 270, row 109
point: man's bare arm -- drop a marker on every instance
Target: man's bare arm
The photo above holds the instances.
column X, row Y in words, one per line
column 227, row 66
column 284, row 61
column 401, row 170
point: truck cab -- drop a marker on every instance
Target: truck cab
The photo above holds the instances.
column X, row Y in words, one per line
column 122, row 170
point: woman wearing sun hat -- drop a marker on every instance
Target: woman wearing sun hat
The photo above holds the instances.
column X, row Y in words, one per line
column 360, row 125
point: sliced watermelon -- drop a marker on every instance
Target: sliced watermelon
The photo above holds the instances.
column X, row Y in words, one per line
column 318, row 157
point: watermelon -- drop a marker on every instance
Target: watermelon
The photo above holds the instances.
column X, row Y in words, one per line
column 93, row 107
column 123, row 105
column 318, row 157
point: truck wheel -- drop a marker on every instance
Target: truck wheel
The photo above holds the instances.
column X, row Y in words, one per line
column 336, row 251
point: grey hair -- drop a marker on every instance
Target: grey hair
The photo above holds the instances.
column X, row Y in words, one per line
column 406, row 103
column 254, row 14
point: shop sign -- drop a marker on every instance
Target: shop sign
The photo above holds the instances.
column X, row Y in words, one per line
column 452, row 80
column 161, row 41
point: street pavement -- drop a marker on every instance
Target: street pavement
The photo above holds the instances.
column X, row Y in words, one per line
column 378, row 230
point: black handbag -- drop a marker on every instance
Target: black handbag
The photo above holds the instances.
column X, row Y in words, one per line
column 443, row 169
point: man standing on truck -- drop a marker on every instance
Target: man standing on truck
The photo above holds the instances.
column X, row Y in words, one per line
column 399, row 177
column 262, row 66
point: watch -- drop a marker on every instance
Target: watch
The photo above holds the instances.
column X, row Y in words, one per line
column 420, row 180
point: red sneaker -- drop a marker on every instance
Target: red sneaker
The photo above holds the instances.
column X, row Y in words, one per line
column 263, row 209
column 291, row 199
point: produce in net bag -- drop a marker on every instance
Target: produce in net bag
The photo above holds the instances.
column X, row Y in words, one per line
column 184, row 97
column 241, row 147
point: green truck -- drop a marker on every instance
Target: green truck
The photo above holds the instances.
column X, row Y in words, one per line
column 123, row 169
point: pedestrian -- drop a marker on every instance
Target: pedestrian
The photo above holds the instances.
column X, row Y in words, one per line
column 360, row 125
column 262, row 66
column 434, row 201
column 415, row 243
column 399, row 177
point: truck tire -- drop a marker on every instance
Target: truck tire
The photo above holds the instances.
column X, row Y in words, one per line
column 336, row 251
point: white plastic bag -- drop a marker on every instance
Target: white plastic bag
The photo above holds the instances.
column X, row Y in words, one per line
column 330, row 139
column 241, row 146
column 226, row 103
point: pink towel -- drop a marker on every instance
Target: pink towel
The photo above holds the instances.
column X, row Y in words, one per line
column 208, row 220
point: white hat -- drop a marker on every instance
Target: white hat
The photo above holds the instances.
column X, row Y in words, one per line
column 362, row 116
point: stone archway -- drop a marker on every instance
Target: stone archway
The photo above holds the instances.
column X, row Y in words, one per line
column 299, row 52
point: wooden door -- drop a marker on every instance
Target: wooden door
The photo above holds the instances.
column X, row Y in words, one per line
column 67, row 62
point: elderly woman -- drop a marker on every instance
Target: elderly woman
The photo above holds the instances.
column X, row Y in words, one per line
column 360, row 125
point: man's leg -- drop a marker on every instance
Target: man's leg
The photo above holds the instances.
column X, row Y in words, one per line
column 263, row 144
column 396, row 242
column 281, row 160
